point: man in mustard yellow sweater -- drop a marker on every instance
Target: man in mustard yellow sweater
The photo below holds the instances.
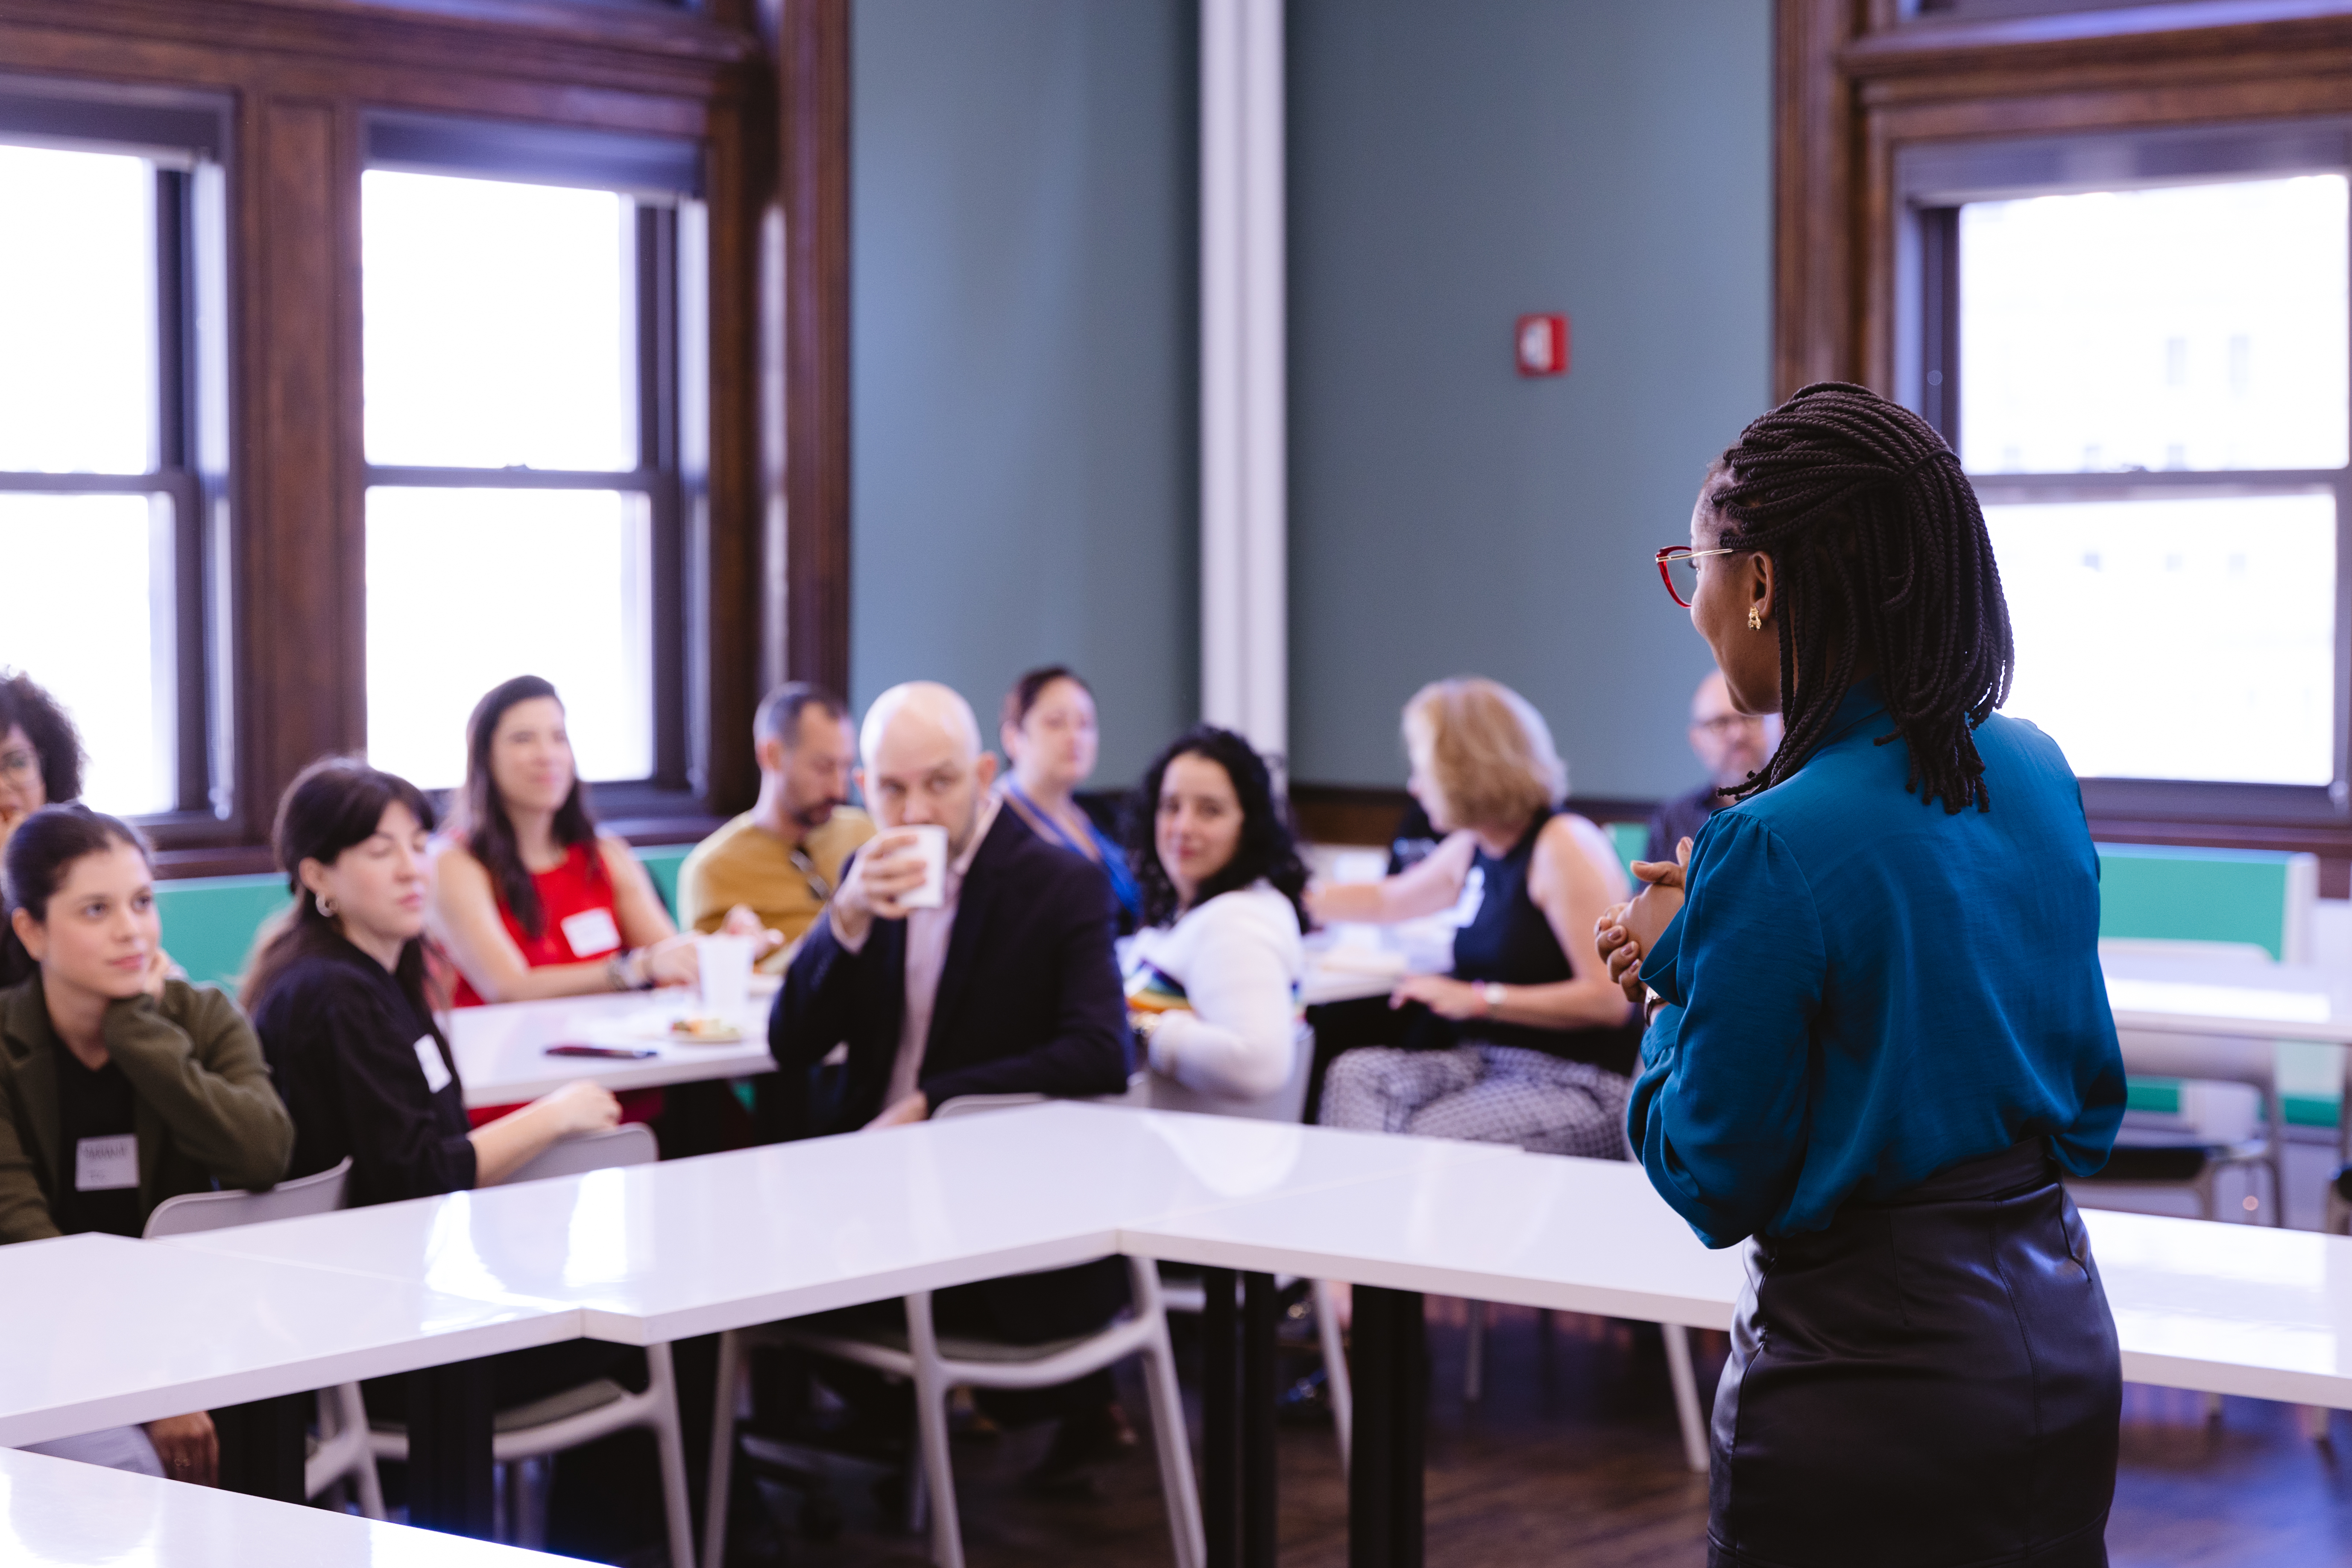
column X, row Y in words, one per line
column 781, row 858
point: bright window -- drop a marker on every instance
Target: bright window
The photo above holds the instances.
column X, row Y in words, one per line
column 99, row 500
column 2182, row 327
column 511, row 513
column 446, row 621
column 2154, row 403
column 2189, row 638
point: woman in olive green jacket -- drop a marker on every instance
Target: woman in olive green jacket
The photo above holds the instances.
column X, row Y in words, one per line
column 119, row 1087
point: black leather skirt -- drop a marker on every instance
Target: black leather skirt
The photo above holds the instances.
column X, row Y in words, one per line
column 1932, row 1381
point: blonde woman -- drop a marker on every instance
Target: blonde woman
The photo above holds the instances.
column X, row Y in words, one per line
column 1526, row 1042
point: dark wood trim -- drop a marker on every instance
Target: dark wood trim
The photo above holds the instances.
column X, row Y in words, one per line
column 1856, row 83
column 1369, row 813
column 805, row 620
column 1812, row 158
column 299, row 76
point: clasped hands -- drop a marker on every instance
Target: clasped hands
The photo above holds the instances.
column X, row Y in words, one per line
column 1626, row 932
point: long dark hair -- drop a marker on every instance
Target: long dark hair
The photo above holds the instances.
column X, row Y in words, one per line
column 1267, row 848
column 1881, row 550
column 482, row 818
column 25, row 705
column 40, row 853
column 333, row 805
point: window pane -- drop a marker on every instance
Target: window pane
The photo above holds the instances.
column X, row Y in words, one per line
column 468, row 587
column 77, row 312
column 2176, row 639
column 500, row 323
column 2184, row 327
column 104, row 648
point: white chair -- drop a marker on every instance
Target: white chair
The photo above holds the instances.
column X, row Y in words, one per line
column 2190, row 1157
column 937, row 1365
column 340, row 1451
column 571, row 1416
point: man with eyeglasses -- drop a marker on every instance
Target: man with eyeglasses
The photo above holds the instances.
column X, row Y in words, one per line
column 1731, row 746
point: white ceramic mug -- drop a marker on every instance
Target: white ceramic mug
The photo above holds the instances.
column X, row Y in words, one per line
column 725, row 965
column 931, row 844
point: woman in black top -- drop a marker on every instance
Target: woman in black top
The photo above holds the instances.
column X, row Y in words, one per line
column 337, row 993
column 1527, row 1041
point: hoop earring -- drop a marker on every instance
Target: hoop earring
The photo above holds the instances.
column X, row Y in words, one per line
column 326, row 906
column 1755, row 621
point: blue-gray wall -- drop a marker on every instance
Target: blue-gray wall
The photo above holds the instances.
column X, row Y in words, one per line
column 1022, row 360
column 1454, row 163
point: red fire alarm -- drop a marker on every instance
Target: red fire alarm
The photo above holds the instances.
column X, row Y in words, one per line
column 1543, row 345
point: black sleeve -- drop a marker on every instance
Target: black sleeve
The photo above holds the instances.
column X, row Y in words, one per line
column 1090, row 1051
column 406, row 1141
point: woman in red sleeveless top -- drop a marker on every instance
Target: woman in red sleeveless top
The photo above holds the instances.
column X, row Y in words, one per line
column 529, row 899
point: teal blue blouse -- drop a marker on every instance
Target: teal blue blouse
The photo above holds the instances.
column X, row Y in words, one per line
column 1862, row 988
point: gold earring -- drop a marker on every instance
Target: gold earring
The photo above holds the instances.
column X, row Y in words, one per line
column 1755, row 621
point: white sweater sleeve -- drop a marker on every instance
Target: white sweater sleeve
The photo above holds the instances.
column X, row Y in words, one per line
column 1238, row 1039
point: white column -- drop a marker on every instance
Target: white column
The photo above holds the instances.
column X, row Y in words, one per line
column 1244, row 459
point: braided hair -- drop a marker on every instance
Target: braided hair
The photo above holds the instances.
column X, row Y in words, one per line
column 1881, row 551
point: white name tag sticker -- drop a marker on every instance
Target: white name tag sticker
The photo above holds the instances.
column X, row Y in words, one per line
column 592, row 933
column 429, row 1057
column 106, row 1165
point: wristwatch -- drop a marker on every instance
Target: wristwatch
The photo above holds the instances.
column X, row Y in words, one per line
column 626, row 970
column 1492, row 994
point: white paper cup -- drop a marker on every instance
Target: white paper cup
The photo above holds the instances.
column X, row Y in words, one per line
column 931, row 844
column 725, row 965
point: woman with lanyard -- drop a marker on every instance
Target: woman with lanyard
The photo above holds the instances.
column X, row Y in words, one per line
column 1050, row 737
column 1878, row 1038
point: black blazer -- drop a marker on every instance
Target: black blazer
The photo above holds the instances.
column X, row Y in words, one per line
column 1029, row 999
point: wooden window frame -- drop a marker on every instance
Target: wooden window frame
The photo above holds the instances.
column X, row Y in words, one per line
column 1860, row 85
column 759, row 512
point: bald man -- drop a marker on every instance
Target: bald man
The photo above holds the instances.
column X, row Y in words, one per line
column 1730, row 746
column 1008, row 986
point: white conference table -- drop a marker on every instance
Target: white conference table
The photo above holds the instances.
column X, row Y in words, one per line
column 501, row 1049
column 2165, row 994
column 2159, row 994
column 55, row 1512
column 111, row 1331
column 650, row 1254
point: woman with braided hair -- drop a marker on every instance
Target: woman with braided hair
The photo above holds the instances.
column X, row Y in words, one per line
column 1877, row 1033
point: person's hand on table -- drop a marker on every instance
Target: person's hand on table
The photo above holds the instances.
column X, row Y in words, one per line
column 904, row 1113
column 888, row 869
column 672, row 962
column 1625, row 932
column 743, row 921
column 581, row 1107
column 188, row 1448
column 1441, row 994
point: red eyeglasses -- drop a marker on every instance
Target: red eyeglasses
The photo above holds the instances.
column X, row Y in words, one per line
column 1678, row 569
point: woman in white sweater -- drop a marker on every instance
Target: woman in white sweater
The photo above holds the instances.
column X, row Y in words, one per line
column 1212, row 980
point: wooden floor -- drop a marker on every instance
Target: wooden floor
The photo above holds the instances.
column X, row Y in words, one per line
column 1572, row 1458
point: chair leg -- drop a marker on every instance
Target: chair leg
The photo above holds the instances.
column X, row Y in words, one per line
column 1173, row 1443
column 2315, row 1424
column 931, row 1432
column 350, row 1411
column 1686, row 1411
column 1474, row 1353
column 1335, row 1367
column 722, row 1447
column 2276, row 1163
column 669, row 1442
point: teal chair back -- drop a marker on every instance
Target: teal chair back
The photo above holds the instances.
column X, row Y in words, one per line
column 2209, row 895
column 1631, row 839
column 210, row 922
column 2218, row 895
